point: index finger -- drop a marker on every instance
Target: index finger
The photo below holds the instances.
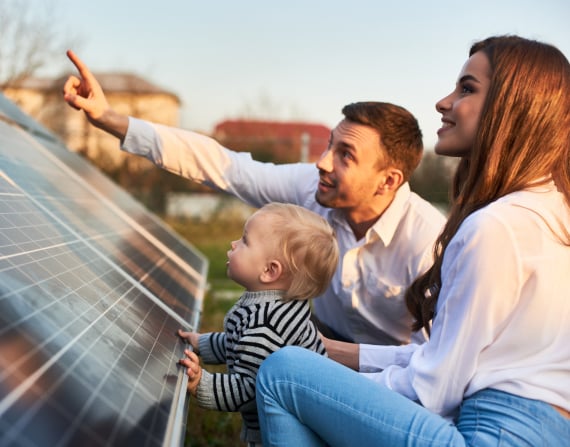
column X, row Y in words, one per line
column 191, row 355
column 81, row 67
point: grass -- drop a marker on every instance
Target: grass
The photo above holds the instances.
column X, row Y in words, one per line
column 207, row 428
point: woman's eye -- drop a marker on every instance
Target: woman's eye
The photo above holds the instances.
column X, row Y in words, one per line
column 466, row 89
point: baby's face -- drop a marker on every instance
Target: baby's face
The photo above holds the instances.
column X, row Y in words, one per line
column 249, row 255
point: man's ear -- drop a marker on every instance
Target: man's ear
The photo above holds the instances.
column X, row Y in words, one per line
column 393, row 179
column 272, row 272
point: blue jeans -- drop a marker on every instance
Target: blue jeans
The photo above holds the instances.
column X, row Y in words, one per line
column 305, row 400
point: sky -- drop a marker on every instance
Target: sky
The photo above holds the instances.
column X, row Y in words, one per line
column 299, row 59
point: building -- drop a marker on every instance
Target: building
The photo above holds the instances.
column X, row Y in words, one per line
column 279, row 142
column 126, row 93
column 41, row 98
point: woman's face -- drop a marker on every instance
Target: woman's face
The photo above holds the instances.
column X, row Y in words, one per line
column 461, row 109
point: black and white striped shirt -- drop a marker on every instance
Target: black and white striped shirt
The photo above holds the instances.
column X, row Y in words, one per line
column 257, row 325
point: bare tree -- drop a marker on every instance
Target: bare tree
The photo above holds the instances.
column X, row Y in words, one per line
column 30, row 41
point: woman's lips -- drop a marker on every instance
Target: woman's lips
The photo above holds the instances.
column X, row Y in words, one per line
column 446, row 125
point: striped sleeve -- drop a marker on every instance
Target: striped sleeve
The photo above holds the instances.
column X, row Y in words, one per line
column 212, row 347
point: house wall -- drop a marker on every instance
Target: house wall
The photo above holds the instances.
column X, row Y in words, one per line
column 48, row 107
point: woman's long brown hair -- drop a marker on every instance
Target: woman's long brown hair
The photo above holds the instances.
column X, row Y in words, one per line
column 523, row 139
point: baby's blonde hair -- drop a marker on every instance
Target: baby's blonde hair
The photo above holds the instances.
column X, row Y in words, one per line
column 308, row 248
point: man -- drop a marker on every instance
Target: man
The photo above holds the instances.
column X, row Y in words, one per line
column 385, row 232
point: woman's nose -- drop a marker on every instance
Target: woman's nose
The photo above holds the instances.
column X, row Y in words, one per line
column 443, row 104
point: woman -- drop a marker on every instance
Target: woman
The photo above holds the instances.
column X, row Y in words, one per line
column 496, row 369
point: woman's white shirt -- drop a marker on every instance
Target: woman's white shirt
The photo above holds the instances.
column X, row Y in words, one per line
column 503, row 315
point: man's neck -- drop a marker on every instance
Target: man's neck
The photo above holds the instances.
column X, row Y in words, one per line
column 360, row 228
column 362, row 220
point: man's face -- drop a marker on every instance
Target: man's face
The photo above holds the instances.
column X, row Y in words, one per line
column 350, row 168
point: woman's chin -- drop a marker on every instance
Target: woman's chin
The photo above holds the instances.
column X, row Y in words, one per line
column 449, row 151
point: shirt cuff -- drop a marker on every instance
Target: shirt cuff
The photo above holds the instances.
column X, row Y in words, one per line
column 205, row 348
column 375, row 358
column 204, row 393
column 142, row 139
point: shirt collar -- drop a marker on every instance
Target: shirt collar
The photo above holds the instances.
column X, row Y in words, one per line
column 386, row 226
column 263, row 296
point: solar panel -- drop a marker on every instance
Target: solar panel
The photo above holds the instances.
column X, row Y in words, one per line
column 92, row 291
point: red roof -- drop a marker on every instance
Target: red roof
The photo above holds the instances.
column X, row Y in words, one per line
column 284, row 139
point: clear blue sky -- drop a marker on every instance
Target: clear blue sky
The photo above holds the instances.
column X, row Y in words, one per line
column 300, row 59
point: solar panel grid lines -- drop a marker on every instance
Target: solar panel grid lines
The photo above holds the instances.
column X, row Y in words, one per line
column 102, row 255
column 92, row 291
column 124, row 206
